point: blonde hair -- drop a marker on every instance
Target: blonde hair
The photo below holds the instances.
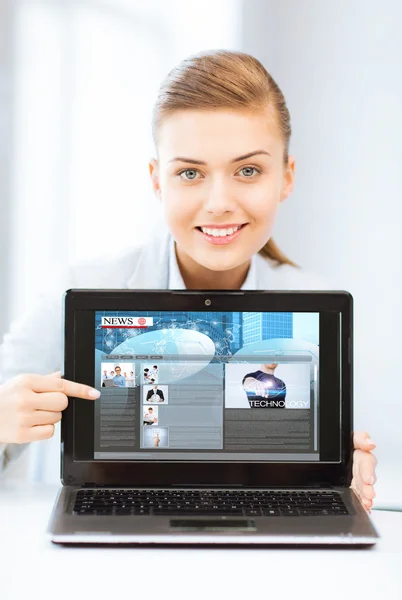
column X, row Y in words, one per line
column 224, row 79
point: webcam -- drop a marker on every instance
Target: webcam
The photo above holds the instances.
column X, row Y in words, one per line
column 207, row 302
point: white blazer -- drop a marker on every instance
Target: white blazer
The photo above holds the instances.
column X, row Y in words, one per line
column 34, row 343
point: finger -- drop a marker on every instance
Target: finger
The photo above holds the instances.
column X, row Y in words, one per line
column 354, row 467
column 366, row 502
column 356, row 481
column 366, row 463
column 44, row 417
column 55, row 374
column 365, row 491
column 46, row 383
column 50, row 401
column 40, row 432
column 355, row 489
column 367, row 467
column 362, row 441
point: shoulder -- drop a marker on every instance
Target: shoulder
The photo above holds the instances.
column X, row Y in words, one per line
column 287, row 277
column 106, row 270
column 125, row 268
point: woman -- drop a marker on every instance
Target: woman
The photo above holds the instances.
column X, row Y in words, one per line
column 221, row 130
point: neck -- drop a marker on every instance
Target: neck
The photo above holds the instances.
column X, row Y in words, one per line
column 266, row 370
column 197, row 277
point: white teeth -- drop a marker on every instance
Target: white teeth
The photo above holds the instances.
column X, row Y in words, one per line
column 219, row 232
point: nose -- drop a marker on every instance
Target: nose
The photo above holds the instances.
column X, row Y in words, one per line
column 220, row 197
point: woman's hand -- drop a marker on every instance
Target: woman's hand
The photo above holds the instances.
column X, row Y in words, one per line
column 364, row 463
column 31, row 405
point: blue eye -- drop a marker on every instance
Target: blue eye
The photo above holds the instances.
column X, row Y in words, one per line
column 192, row 173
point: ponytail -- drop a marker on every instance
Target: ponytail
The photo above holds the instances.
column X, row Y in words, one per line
column 272, row 251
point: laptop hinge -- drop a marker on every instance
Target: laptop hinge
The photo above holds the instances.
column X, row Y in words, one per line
column 91, row 484
column 314, row 485
column 319, row 485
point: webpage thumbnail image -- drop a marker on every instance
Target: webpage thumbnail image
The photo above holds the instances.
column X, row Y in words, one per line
column 150, row 373
column 155, row 394
column 155, row 437
column 116, row 374
column 267, row 385
column 150, row 416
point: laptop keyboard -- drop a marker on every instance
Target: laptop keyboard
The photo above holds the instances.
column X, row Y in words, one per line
column 269, row 503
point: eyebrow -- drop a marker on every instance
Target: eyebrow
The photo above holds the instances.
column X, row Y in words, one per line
column 202, row 162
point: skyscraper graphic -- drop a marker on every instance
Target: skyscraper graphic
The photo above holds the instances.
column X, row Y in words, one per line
column 265, row 326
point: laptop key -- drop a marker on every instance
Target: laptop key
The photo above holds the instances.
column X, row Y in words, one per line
column 252, row 512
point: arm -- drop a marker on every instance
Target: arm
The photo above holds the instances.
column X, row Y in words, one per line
column 33, row 345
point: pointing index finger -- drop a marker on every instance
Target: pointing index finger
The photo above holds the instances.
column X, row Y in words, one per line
column 79, row 390
column 46, row 383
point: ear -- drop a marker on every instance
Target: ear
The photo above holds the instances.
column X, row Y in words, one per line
column 154, row 172
column 288, row 179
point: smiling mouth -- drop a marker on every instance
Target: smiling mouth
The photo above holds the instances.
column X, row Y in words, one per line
column 221, row 231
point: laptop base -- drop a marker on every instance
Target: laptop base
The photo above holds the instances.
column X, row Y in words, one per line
column 355, row 529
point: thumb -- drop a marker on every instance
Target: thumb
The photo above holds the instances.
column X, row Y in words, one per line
column 362, row 441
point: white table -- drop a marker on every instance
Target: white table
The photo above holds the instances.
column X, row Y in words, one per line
column 32, row 568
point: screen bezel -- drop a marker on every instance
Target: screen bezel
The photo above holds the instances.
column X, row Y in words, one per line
column 157, row 473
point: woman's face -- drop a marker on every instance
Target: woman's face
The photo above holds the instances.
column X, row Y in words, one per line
column 220, row 172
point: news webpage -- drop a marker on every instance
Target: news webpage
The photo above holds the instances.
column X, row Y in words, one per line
column 207, row 386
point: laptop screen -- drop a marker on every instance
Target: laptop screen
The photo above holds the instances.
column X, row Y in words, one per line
column 217, row 386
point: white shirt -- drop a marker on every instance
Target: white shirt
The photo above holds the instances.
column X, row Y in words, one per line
column 175, row 281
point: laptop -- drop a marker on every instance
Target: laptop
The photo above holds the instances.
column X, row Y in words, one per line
column 246, row 438
column 109, row 383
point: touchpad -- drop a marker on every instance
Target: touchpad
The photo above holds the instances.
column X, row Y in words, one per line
column 212, row 525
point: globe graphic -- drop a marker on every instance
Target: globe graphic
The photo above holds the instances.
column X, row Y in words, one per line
column 183, row 343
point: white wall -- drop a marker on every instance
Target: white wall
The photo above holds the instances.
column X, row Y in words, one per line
column 5, row 134
column 84, row 80
column 339, row 67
